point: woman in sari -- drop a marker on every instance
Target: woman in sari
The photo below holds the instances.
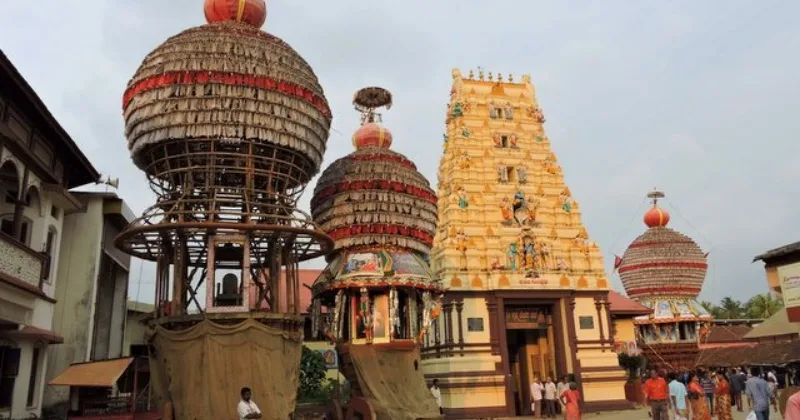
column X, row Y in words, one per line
column 571, row 398
column 723, row 393
column 697, row 399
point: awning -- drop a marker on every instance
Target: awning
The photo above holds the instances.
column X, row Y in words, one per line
column 102, row 374
column 29, row 332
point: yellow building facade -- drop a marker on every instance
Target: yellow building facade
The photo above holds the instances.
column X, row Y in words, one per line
column 527, row 294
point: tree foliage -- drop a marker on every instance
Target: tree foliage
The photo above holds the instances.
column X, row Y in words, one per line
column 761, row 306
column 312, row 372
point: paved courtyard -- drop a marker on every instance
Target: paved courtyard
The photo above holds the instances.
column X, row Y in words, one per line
column 641, row 414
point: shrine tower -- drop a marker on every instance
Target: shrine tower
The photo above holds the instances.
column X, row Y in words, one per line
column 527, row 293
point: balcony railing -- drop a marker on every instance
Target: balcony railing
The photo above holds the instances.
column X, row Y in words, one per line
column 21, row 262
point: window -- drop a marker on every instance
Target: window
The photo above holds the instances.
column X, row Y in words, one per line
column 54, row 212
column 49, row 249
column 504, row 140
column 9, row 368
column 32, row 381
column 7, row 227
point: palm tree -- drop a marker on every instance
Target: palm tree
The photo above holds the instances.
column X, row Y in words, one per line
column 763, row 306
column 731, row 309
column 712, row 309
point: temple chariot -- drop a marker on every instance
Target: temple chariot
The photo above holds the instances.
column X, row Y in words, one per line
column 229, row 124
column 378, row 291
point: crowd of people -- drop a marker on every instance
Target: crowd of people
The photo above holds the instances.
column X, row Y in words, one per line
column 549, row 400
column 699, row 395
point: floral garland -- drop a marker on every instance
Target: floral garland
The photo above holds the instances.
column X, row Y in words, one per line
column 381, row 229
column 224, row 78
column 382, row 157
column 395, row 186
column 672, row 264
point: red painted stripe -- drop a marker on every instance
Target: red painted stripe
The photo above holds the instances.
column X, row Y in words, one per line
column 663, row 290
column 662, row 264
column 658, row 243
column 382, row 185
column 384, row 158
column 225, row 78
column 381, row 229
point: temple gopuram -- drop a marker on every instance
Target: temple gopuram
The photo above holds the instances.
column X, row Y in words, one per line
column 527, row 295
column 378, row 290
column 664, row 270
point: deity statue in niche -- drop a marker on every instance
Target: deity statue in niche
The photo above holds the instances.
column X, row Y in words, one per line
column 463, row 201
column 564, row 200
column 529, row 252
column 365, row 315
column 522, row 174
column 496, row 264
column 512, row 141
column 539, row 138
column 494, row 111
column 536, row 113
column 519, row 207
column 561, row 264
column 508, row 110
column 667, row 333
column 544, row 254
column 462, row 242
column 444, row 137
column 502, row 172
column 453, row 93
column 512, row 253
column 465, row 131
column 506, row 211
column 464, row 161
column 550, row 166
column 498, row 140
column 458, row 110
column 532, row 207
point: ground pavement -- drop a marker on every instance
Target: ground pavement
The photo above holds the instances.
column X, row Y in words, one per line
column 641, row 414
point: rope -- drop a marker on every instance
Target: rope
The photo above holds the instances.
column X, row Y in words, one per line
column 624, row 230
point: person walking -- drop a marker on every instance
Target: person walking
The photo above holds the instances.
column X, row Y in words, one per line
column 792, row 407
column 656, row 395
column 707, row 382
column 571, row 400
column 537, row 389
column 697, row 399
column 757, row 395
column 723, row 394
column 737, row 387
column 678, row 396
column 550, row 398
column 437, row 395
column 561, row 386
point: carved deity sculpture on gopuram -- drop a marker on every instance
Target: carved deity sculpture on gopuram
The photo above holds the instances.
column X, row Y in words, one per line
column 378, row 291
column 229, row 124
column 664, row 270
column 527, row 295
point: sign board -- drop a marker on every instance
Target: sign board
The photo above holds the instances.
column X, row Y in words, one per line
column 474, row 324
column 790, row 289
column 524, row 318
column 329, row 355
column 586, row 322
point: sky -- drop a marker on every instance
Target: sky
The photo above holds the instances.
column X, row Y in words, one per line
column 699, row 99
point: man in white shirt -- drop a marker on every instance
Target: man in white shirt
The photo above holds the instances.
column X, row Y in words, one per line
column 549, row 398
column 437, row 394
column 536, row 397
column 561, row 386
column 247, row 409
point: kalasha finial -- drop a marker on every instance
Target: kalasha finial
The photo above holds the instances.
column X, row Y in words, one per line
column 656, row 216
column 251, row 12
column 372, row 133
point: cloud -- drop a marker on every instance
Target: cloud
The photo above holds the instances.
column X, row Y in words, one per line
column 698, row 99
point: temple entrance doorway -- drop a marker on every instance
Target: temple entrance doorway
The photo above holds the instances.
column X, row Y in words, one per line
column 531, row 351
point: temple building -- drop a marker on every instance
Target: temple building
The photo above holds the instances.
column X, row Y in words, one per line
column 526, row 292
column 664, row 270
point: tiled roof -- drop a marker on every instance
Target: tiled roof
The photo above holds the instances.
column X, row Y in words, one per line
column 621, row 305
column 775, row 325
column 727, row 333
column 758, row 354
column 779, row 252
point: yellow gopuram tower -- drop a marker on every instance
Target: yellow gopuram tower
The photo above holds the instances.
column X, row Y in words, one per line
column 527, row 293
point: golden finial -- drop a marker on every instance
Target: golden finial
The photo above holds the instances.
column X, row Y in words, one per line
column 490, row 76
column 480, row 73
column 471, row 75
column 499, row 77
column 510, row 78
